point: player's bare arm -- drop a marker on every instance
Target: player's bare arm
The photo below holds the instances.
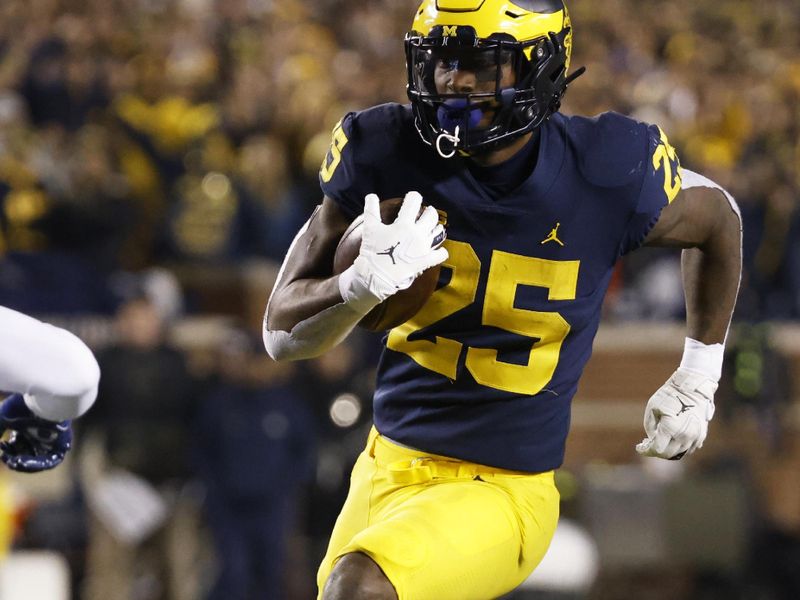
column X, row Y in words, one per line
column 306, row 285
column 704, row 221
column 311, row 310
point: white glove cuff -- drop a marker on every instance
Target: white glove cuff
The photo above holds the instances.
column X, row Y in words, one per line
column 355, row 291
column 703, row 359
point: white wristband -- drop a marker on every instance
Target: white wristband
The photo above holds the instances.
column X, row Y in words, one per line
column 702, row 358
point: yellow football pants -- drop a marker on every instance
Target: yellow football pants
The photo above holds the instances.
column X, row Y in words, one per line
column 441, row 528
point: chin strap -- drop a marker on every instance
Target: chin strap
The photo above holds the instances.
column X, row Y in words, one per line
column 574, row 75
column 450, row 137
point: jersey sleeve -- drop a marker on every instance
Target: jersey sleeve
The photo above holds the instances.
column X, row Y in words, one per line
column 56, row 371
column 346, row 174
column 660, row 185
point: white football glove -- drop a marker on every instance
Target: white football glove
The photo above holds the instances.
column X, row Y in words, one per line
column 392, row 255
column 677, row 415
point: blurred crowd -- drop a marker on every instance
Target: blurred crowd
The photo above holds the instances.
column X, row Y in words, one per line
column 722, row 79
column 156, row 159
column 188, row 133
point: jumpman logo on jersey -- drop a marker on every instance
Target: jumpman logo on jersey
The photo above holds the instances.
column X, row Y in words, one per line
column 684, row 406
column 553, row 236
column 390, row 252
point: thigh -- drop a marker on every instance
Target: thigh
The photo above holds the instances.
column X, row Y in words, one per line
column 456, row 539
column 477, row 535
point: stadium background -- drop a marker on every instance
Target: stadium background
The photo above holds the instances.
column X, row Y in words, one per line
column 157, row 156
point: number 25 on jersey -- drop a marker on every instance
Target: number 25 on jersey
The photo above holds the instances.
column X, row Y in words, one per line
column 546, row 329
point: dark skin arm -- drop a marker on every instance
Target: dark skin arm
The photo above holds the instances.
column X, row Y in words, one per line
column 307, row 285
column 702, row 222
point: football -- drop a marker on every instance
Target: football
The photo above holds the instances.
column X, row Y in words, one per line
column 396, row 309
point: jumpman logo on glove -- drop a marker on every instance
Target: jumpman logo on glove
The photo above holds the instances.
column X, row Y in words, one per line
column 390, row 252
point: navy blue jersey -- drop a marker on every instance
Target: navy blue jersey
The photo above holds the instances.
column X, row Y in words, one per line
column 486, row 371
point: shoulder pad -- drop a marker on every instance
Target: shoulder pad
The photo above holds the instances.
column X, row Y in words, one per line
column 367, row 148
column 611, row 149
column 376, row 130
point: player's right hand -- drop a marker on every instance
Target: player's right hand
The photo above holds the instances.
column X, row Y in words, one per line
column 392, row 255
column 34, row 444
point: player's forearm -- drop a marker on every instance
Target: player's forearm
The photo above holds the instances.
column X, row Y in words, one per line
column 309, row 317
column 300, row 300
column 305, row 285
column 313, row 336
column 55, row 371
column 711, row 275
column 296, row 322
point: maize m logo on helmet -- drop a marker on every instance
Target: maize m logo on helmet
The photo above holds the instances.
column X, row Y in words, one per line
column 519, row 54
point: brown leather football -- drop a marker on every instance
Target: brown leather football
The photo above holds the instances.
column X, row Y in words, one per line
column 403, row 305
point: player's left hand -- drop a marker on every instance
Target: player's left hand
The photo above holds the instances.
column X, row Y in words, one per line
column 33, row 444
column 677, row 415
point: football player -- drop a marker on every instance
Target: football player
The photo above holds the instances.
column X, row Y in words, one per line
column 52, row 378
column 453, row 496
